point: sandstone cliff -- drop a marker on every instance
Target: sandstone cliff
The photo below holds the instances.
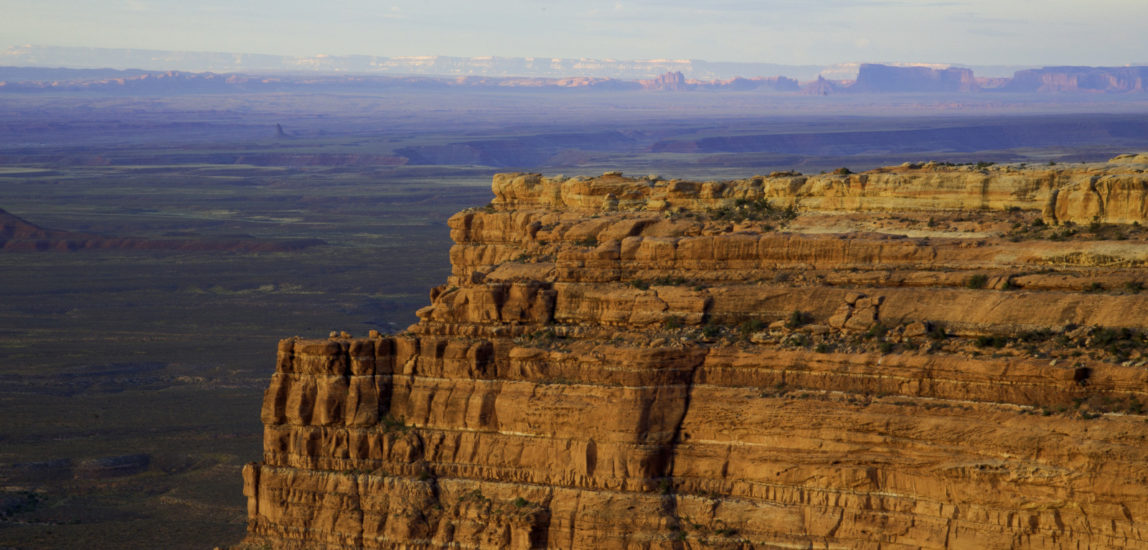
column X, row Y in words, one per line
column 913, row 357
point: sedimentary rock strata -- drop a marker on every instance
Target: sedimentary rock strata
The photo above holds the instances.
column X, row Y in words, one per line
column 921, row 356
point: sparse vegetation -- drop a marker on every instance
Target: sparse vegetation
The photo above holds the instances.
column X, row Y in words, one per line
column 878, row 331
column 992, row 341
column 392, row 424
column 667, row 280
column 798, row 340
column 755, row 210
column 977, row 281
column 797, row 319
column 590, row 241
column 750, row 326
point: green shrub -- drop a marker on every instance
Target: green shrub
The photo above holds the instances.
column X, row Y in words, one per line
column 993, row 341
column 392, row 424
column 799, row 340
column 587, row 241
column 750, row 326
column 754, row 209
column 797, row 319
column 977, row 281
column 878, row 330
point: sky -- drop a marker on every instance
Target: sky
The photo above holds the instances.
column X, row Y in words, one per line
column 815, row 32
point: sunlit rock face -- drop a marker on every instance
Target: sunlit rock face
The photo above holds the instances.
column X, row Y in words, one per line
column 925, row 356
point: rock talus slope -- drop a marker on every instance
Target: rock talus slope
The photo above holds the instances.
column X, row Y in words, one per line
column 913, row 357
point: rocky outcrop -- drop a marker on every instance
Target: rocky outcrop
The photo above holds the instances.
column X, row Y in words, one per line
column 906, row 358
column 1115, row 192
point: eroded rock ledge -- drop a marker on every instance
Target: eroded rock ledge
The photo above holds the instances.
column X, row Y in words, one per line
column 933, row 356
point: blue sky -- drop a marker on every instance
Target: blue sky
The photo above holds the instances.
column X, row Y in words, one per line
column 976, row 32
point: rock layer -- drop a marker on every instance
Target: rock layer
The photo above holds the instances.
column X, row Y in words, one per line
column 641, row 363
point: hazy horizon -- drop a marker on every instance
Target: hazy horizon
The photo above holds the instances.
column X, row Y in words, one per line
column 826, row 32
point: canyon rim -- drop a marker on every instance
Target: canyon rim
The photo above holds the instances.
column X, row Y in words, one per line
column 919, row 356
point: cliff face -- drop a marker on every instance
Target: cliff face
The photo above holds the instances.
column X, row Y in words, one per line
column 911, row 357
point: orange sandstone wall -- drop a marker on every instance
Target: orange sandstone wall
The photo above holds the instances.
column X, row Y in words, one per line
column 615, row 364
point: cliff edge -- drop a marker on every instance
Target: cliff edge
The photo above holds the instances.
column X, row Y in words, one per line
column 928, row 356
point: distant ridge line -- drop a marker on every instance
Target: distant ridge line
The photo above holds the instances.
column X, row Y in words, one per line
column 872, row 78
column 491, row 66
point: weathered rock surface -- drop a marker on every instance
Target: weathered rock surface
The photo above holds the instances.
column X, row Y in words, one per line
column 640, row 363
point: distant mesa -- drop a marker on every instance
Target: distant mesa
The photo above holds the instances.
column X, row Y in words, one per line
column 24, row 70
column 677, row 82
column 668, row 82
column 873, row 78
column 1079, row 79
column 359, row 65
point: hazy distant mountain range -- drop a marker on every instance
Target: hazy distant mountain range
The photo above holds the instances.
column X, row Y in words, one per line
column 33, row 69
column 161, row 60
